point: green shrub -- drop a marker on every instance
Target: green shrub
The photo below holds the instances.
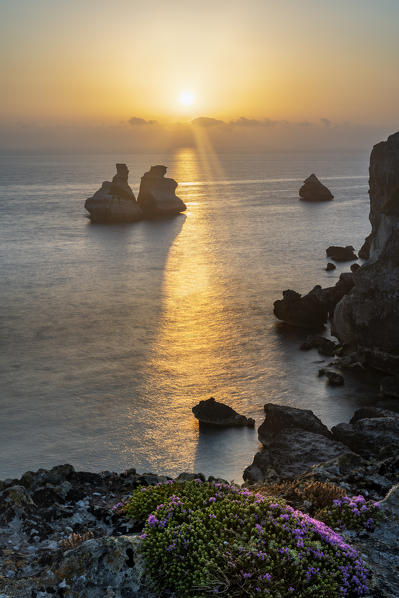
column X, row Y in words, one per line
column 351, row 513
column 202, row 539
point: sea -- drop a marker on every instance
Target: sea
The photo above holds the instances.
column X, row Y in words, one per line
column 110, row 334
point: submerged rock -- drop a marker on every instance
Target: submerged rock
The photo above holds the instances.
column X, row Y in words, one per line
column 157, row 195
column 330, row 266
column 313, row 190
column 333, row 378
column 114, row 201
column 341, row 254
column 213, row 413
column 367, row 319
column 322, row 344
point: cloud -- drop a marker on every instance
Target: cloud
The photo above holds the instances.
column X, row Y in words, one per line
column 135, row 121
column 253, row 122
column 326, row 122
column 206, row 121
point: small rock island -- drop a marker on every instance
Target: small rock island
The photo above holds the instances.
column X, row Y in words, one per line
column 313, row 190
column 115, row 201
column 157, row 195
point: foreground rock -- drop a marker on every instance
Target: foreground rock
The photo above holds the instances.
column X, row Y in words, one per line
column 294, row 440
column 313, row 190
column 114, row 201
column 341, row 254
column 367, row 319
column 312, row 310
column 157, row 197
column 211, row 412
column 361, row 456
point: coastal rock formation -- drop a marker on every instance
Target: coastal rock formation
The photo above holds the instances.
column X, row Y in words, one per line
column 213, row 413
column 330, row 266
column 367, row 319
column 313, row 190
column 368, row 435
column 384, row 182
column 157, row 195
column 341, row 254
column 389, row 386
column 114, row 201
column 312, row 310
column 294, row 440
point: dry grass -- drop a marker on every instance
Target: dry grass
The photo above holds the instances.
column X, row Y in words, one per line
column 75, row 540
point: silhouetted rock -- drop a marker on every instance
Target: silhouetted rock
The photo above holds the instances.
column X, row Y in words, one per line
column 313, row 190
column 114, row 201
column 330, row 266
column 312, row 310
column 341, row 254
column 355, row 267
column 367, row 319
column 333, row 378
column 305, row 312
column 157, row 196
column 322, row 344
column 213, row 413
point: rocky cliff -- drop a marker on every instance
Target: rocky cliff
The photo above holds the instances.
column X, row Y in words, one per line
column 367, row 319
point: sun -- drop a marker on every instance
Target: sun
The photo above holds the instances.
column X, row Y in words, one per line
column 186, row 98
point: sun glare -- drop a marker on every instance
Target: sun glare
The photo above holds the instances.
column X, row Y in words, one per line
column 186, row 98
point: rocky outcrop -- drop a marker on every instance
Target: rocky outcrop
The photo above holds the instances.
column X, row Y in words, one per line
column 341, row 254
column 367, row 319
column 313, row 190
column 333, row 378
column 293, row 441
column 361, row 456
column 312, row 310
column 157, row 197
column 211, row 412
column 114, row 201
column 384, row 182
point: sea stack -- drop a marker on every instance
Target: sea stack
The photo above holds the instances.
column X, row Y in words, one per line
column 157, row 197
column 367, row 319
column 114, row 201
column 313, row 190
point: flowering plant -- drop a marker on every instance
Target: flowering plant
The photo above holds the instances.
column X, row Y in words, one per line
column 204, row 538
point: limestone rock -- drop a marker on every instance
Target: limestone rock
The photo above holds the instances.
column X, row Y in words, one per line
column 110, row 566
column 114, row 201
column 341, row 254
column 367, row 319
column 213, row 413
column 313, row 190
column 369, row 435
column 282, row 417
column 157, row 195
column 292, row 453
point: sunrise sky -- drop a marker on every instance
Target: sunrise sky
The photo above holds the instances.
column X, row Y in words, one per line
column 85, row 63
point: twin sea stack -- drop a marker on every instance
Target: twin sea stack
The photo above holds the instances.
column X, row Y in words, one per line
column 115, row 201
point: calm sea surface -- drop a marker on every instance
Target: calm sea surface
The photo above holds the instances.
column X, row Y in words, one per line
column 110, row 334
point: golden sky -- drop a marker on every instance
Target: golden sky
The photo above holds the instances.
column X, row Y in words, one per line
column 86, row 61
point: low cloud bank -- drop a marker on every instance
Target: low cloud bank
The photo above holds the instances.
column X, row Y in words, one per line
column 141, row 135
